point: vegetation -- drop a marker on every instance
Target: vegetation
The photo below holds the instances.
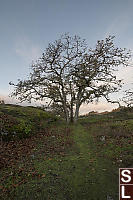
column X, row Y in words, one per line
column 69, row 74
column 57, row 161
column 2, row 101
column 20, row 122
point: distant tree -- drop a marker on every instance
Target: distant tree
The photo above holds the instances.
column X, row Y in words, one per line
column 93, row 113
column 2, row 101
column 69, row 74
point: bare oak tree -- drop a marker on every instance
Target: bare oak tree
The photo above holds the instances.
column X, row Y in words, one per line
column 69, row 74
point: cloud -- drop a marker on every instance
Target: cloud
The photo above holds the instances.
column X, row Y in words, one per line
column 10, row 100
column 27, row 50
column 126, row 73
column 100, row 107
column 7, row 99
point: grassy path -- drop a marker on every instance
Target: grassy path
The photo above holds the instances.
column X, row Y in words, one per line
column 80, row 175
column 98, row 179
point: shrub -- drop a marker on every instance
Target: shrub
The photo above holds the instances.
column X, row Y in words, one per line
column 6, row 127
column 11, row 128
column 23, row 129
column 2, row 101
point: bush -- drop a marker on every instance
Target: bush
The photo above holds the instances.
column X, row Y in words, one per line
column 2, row 101
column 11, row 128
column 6, row 127
column 23, row 129
column 20, row 122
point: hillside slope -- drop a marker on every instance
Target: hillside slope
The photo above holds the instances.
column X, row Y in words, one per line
column 61, row 162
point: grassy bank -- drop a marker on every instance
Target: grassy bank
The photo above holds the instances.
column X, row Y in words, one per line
column 76, row 162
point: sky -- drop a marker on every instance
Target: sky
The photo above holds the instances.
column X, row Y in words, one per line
column 26, row 28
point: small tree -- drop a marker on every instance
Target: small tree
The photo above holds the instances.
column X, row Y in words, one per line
column 2, row 101
column 70, row 74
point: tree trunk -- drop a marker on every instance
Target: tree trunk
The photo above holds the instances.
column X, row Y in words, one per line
column 71, row 103
column 67, row 118
column 64, row 105
column 71, row 112
column 76, row 112
column 78, row 104
column 66, row 114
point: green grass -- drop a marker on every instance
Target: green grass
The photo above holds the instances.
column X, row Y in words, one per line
column 80, row 167
column 80, row 174
column 21, row 122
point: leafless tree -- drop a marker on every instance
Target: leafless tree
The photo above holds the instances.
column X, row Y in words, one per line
column 69, row 74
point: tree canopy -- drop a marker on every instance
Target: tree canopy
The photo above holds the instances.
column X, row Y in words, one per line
column 69, row 74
